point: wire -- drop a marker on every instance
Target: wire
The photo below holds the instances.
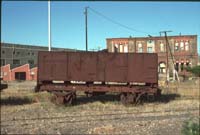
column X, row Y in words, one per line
column 115, row 22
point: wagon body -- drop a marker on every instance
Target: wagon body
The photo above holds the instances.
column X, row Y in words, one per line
column 98, row 67
column 130, row 74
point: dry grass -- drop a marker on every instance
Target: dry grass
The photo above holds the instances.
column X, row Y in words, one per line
column 88, row 116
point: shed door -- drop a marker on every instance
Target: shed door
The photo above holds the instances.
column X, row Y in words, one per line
column 20, row 75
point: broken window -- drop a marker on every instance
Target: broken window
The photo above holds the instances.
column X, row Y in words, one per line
column 31, row 62
column 186, row 45
column 16, row 61
column 116, row 48
column 149, row 49
column 162, row 47
column 177, row 67
column 126, row 48
column 182, row 45
column 3, row 62
column 140, row 49
column 150, row 46
column 120, row 48
column 182, row 66
column 176, row 46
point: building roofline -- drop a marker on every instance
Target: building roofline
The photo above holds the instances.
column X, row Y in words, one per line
column 21, row 66
column 6, row 66
column 33, row 68
column 27, row 45
column 152, row 37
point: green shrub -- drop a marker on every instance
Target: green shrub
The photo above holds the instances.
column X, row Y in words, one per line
column 190, row 128
column 195, row 70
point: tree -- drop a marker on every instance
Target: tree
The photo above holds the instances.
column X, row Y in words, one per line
column 195, row 70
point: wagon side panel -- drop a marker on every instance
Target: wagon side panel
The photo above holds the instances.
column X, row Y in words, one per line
column 74, row 66
column 52, row 66
column 44, row 66
column 135, row 68
column 89, row 66
column 116, row 68
column 150, row 68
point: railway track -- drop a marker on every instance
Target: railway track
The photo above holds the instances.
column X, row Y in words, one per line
column 133, row 116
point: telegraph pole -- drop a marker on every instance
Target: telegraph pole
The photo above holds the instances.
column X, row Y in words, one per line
column 167, row 59
column 86, row 34
column 49, row 25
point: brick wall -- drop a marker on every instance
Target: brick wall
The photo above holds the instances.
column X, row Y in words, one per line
column 187, row 42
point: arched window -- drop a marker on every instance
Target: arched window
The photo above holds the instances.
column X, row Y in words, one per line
column 139, row 46
column 176, row 46
column 182, row 45
column 125, row 48
column 116, row 48
column 186, row 45
column 162, row 48
column 150, row 46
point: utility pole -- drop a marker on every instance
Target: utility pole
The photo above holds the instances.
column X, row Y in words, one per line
column 172, row 56
column 86, row 34
column 167, row 59
column 49, row 25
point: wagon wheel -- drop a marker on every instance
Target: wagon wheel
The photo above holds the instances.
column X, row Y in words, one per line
column 123, row 98
column 131, row 97
column 57, row 99
column 88, row 94
column 138, row 98
column 158, row 94
column 70, row 98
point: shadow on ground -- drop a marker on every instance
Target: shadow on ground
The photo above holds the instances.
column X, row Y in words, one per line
column 165, row 98
column 102, row 98
column 15, row 101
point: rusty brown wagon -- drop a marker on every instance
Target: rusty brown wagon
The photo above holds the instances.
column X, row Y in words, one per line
column 129, row 74
column 3, row 85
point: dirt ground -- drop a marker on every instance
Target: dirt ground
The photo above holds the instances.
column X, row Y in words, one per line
column 26, row 112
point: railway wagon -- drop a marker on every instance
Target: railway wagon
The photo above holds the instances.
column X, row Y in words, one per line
column 3, row 85
column 129, row 74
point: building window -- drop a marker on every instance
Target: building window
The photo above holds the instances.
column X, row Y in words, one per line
column 176, row 46
column 182, row 66
column 186, row 45
column 32, row 53
column 162, row 47
column 3, row 52
column 18, row 53
column 16, row 61
column 120, row 48
column 140, row 49
column 116, row 48
column 126, row 48
column 177, row 67
column 182, row 45
column 3, row 62
column 150, row 46
column 29, row 53
column 149, row 49
column 31, row 62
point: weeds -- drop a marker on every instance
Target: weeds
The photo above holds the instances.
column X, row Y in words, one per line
column 190, row 128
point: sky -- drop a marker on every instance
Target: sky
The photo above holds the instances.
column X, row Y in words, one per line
column 27, row 22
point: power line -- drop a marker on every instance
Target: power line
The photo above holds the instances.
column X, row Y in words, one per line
column 117, row 23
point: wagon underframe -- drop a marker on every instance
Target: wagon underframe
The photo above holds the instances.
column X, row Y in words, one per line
column 66, row 93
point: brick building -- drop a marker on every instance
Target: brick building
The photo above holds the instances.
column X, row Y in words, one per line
column 183, row 49
column 19, row 62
